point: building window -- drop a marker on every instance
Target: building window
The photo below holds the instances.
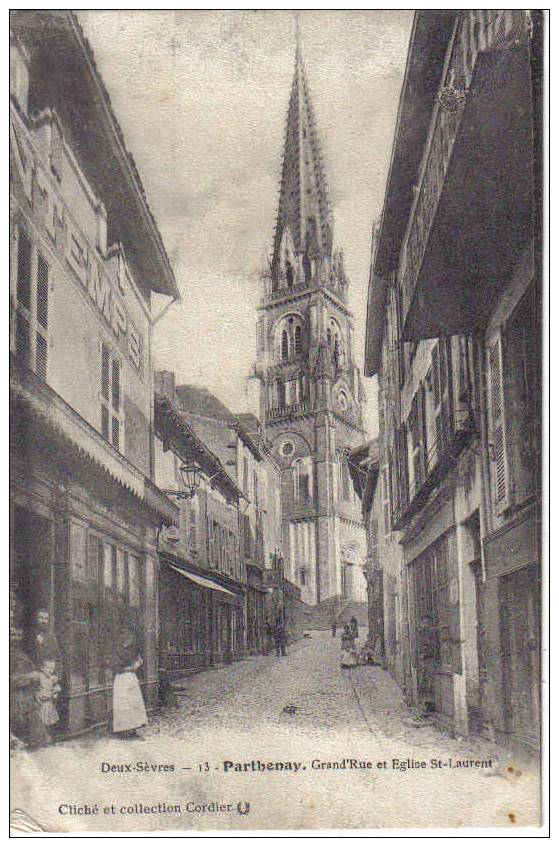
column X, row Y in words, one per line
column 442, row 392
column 301, row 481
column 111, row 417
column 280, row 387
column 417, row 430
column 284, row 345
column 344, row 479
column 32, row 306
column 298, row 338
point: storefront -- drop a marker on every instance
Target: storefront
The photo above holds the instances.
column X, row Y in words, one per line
column 438, row 659
column 200, row 619
column 83, row 546
column 511, row 604
column 257, row 640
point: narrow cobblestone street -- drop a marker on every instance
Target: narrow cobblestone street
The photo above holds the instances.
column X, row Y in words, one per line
column 337, row 715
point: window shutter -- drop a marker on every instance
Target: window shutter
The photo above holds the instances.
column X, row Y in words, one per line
column 24, row 270
column 42, row 292
column 41, row 352
column 105, row 371
column 115, row 435
column 116, row 385
column 23, row 338
column 500, row 465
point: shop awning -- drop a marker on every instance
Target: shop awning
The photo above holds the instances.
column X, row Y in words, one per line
column 204, row 581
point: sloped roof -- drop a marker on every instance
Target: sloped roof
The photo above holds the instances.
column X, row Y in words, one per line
column 64, row 76
column 199, row 400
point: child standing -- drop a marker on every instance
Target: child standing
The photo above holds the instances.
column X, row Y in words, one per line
column 48, row 691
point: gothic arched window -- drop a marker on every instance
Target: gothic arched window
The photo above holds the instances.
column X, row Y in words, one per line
column 302, row 387
column 288, row 273
column 284, row 345
column 280, row 388
column 301, row 481
column 298, row 338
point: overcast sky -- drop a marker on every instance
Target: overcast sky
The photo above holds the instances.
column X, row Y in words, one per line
column 201, row 98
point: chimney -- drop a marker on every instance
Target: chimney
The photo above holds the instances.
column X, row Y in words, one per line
column 165, row 383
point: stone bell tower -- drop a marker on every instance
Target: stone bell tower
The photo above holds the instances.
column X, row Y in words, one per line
column 310, row 387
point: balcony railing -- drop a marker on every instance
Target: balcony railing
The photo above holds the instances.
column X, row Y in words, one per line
column 441, row 457
column 288, row 411
column 281, row 289
column 476, row 30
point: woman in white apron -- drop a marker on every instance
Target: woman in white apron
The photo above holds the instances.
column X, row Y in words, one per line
column 129, row 710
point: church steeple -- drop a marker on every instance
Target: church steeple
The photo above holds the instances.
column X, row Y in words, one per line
column 303, row 237
column 310, row 393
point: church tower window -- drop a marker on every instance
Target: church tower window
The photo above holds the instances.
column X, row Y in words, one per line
column 284, row 345
column 298, row 337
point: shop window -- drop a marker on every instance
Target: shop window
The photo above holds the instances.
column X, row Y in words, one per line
column 32, row 306
column 133, row 581
column 78, row 551
column 111, row 417
column 121, row 573
column 95, row 559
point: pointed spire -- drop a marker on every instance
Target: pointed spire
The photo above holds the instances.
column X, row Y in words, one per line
column 304, row 224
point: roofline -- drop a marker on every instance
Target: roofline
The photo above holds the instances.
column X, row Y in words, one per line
column 125, row 157
column 231, row 485
column 378, row 275
column 65, row 20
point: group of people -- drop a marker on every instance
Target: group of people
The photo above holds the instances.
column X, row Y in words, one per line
column 350, row 634
column 36, row 669
column 35, row 665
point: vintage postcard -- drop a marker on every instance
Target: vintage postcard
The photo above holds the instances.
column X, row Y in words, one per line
column 275, row 419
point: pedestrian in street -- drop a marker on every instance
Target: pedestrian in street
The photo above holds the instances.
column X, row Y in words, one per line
column 129, row 710
column 42, row 644
column 348, row 654
column 25, row 680
column 354, row 627
column 334, row 627
column 280, row 639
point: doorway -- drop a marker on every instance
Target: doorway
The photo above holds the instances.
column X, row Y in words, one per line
column 31, row 584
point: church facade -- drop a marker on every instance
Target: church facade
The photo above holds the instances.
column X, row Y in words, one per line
column 310, row 388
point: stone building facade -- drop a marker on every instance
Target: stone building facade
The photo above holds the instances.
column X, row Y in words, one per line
column 239, row 445
column 453, row 335
column 202, row 581
column 85, row 257
column 310, row 388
